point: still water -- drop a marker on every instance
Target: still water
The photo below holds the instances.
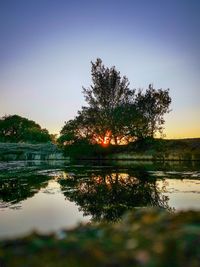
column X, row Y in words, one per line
column 47, row 196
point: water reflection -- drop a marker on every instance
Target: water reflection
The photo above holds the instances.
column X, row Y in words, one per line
column 16, row 188
column 53, row 192
column 143, row 165
column 107, row 194
column 20, row 180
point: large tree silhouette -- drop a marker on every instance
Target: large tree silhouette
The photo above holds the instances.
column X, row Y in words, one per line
column 114, row 112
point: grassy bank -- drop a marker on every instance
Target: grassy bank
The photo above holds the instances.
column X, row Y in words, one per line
column 148, row 238
column 25, row 151
column 147, row 149
column 161, row 149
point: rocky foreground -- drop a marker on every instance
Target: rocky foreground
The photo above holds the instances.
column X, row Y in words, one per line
column 144, row 237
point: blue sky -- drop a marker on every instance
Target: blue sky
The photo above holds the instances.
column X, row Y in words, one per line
column 46, row 48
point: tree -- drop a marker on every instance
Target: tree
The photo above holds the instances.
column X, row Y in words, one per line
column 76, row 130
column 14, row 128
column 107, row 98
column 153, row 104
column 115, row 113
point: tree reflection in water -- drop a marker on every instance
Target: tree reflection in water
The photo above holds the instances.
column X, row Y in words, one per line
column 20, row 187
column 107, row 195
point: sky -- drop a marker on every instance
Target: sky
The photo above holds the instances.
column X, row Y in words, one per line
column 46, row 47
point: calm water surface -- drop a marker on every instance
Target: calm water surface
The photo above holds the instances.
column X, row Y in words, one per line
column 47, row 196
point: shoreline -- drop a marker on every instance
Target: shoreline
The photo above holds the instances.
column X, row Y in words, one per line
column 160, row 151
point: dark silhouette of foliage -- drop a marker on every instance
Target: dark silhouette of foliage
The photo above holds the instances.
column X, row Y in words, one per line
column 115, row 113
column 14, row 128
column 107, row 99
column 153, row 104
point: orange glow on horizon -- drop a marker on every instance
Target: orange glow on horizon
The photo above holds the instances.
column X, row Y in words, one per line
column 105, row 143
column 171, row 131
column 107, row 139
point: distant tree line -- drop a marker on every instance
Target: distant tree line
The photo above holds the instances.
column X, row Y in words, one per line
column 14, row 128
column 116, row 114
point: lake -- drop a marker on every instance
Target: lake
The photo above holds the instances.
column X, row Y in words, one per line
column 47, row 196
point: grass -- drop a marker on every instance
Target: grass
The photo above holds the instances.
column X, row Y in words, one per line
column 150, row 149
column 26, row 151
column 160, row 149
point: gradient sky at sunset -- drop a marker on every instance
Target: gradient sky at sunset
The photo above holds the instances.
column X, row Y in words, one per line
column 46, row 47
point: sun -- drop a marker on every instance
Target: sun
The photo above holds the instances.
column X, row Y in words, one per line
column 105, row 139
column 105, row 143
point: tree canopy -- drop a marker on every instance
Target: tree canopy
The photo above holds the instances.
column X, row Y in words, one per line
column 115, row 113
column 14, row 128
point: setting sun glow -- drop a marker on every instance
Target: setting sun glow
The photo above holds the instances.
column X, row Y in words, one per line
column 105, row 141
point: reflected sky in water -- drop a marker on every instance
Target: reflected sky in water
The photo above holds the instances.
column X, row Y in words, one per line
column 182, row 193
column 46, row 197
column 46, row 211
